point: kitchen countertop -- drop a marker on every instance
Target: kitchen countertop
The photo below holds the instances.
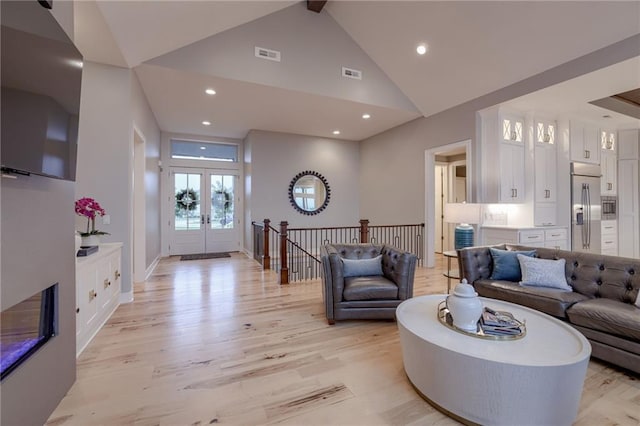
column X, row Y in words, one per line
column 522, row 228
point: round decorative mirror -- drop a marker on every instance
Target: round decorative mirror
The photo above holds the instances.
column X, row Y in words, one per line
column 309, row 192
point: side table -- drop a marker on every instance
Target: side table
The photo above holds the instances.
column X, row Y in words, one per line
column 451, row 273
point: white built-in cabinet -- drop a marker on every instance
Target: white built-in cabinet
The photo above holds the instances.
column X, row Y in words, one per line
column 608, row 163
column 97, row 291
column 585, row 142
column 503, row 157
column 545, row 172
column 609, row 237
column 549, row 237
column 628, row 193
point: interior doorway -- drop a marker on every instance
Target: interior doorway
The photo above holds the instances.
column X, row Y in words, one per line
column 447, row 180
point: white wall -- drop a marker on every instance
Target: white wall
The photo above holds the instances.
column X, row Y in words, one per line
column 112, row 104
column 145, row 122
column 271, row 162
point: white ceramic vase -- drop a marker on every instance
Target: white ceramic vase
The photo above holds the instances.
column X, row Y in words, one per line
column 465, row 307
column 91, row 240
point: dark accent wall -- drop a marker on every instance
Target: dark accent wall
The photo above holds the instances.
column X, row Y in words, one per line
column 37, row 250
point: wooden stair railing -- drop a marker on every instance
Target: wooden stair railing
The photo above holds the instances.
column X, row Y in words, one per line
column 296, row 249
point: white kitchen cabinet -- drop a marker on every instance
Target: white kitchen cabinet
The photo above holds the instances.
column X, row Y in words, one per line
column 511, row 173
column 503, row 157
column 585, row 142
column 551, row 237
column 545, row 172
column 609, row 237
column 556, row 238
column 608, row 162
column 97, row 291
column 609, row 167
column 629, row 193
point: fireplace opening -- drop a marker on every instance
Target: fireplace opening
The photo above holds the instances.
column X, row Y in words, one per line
column 26, row 327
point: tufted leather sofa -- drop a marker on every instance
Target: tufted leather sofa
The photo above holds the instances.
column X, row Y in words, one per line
column 601, row 305
column 370, row 297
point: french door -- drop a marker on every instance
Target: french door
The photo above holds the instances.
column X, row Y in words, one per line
column 204, row 211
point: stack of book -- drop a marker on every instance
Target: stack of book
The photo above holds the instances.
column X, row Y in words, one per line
column 499, row 323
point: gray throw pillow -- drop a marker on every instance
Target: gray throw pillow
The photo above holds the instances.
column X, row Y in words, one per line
column 506, row 265
column 362, row 267
column 543, row 273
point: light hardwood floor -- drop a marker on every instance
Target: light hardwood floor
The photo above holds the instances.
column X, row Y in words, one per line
column 219, row 341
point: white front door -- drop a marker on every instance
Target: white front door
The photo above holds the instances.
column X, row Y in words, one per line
column 204, row 211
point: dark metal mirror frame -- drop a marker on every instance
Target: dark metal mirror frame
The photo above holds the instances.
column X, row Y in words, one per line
column 292, row 199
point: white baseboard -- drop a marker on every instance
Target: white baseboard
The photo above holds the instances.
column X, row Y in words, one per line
column 247, row 253
column 126, row 297
column 151, row 267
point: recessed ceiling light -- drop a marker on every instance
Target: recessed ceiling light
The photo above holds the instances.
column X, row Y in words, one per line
column 336, row 132
column 210, row 92
column 206, row 123
column 203, row 147
column 75, row 63
column 366, row 116
column 421, row 49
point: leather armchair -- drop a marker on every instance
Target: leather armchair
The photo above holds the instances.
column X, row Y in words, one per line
column 368, row 297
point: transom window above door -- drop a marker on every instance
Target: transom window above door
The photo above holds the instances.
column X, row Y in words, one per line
column 198, row 150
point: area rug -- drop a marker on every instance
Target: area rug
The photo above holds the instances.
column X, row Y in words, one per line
column 204, row 256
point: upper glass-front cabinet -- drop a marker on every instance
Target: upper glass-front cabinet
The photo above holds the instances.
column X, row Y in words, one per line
column 545, row 132
column 512, row 129
column 608, row 140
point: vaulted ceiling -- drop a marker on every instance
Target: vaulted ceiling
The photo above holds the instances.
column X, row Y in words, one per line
column 180, row 48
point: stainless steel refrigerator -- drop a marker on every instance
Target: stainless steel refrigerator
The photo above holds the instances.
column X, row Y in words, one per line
column 585, row 196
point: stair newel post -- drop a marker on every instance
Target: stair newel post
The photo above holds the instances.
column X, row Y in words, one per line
column 284, row 268
column 364, row 230
column 266, row 256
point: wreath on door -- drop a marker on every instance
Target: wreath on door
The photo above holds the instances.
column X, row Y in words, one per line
column 227, row 199
column 186, row 199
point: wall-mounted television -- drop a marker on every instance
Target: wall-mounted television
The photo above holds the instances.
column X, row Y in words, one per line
column 40, row 99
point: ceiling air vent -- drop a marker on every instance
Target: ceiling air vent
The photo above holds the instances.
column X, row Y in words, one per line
column 351, row 73
column 272, row 55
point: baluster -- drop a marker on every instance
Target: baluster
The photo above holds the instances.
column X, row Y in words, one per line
column 364, row 231
column 284, row 267
column 266, row 257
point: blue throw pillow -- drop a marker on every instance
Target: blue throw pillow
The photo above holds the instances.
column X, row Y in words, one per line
column 505, row 264
column 362, row 267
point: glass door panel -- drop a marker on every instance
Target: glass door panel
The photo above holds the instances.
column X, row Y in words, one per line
column 187, row 227
column 222, row 201
column 222, row 229
column 187, row 215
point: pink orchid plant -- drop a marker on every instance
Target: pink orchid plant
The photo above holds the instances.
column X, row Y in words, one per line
column 89, row 208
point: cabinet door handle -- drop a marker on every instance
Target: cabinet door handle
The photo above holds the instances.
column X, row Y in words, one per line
column 116, row 274
column 609, row 186
column 587, row 153
column 92, row 295
column 77, row 310
column 532, row 237
column 516, row 191
column 555, row 235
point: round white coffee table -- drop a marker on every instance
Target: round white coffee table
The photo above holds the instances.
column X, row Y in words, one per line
column 536, row 380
